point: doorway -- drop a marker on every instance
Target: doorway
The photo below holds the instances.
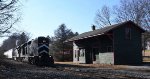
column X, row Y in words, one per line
column 95, row 52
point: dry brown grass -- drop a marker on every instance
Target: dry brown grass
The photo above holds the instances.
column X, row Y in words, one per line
column 146, row 53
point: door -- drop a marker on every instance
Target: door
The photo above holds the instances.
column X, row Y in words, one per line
column 89, row 56
column 95, row 52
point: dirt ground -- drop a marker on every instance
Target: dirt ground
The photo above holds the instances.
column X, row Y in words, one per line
column 10, row 69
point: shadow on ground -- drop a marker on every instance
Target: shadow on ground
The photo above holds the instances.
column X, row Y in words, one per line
column 69, row 65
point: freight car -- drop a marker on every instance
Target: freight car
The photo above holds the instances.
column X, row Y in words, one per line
column 34, row 52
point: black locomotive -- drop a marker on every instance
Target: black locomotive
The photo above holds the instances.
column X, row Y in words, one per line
column 35, row 52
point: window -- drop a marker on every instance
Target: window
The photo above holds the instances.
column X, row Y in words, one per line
column 75, row 53
column 78, row 53
column 128, row 33
column 82, row 52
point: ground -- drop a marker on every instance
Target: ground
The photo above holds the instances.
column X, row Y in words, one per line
column 10, row 69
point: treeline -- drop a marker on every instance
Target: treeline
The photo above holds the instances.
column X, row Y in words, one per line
column 11, row 41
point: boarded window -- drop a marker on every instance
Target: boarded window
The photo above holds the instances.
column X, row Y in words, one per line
column 128, row 33
column 75, row 53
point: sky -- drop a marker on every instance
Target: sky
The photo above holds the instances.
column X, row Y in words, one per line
column 42, row 17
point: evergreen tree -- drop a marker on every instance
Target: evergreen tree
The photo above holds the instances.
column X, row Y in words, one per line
column 58, row 47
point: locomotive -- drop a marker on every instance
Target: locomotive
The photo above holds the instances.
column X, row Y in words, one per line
column 34, row 52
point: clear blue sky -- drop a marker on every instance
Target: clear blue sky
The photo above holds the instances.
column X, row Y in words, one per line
column 42, row 17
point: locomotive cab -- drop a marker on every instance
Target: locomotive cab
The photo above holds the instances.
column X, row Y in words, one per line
column 42, row 57
column 43, row 49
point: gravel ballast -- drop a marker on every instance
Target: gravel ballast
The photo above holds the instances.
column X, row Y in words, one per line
column 10, row 69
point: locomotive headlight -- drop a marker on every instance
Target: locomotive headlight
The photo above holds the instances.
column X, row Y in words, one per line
column 44, row 41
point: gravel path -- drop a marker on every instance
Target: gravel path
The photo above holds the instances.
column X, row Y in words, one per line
column 10, row 69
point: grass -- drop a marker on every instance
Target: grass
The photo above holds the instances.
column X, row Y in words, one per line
column 147, row 51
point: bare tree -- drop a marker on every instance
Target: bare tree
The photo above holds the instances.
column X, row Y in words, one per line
column 8, row 15
column 103, row 17
column 135, row 10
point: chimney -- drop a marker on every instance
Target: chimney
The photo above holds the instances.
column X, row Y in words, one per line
column 93, row 27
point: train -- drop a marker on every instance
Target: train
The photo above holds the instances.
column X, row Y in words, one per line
column 34, row 52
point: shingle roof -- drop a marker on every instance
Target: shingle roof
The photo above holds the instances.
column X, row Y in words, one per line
column 98, row 31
